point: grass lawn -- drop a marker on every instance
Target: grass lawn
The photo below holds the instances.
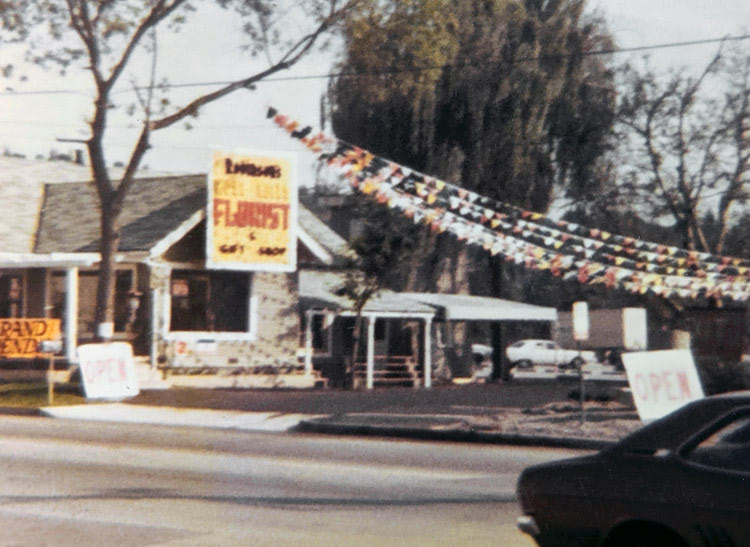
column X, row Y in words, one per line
column 34, row 395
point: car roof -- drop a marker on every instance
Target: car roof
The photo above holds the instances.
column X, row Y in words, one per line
column 671, row 431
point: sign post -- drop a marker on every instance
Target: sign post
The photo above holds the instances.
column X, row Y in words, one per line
column 50, row 348
column 581, row 334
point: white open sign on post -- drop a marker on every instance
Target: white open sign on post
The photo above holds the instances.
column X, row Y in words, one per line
column 661, row 381
column 108, row 370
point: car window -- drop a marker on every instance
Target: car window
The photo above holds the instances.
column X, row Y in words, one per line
column 518, row 344
column 550, row 345
column 727, row 447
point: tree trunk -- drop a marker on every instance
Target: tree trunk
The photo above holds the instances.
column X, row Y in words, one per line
column 355, row 349
column 105, row 288
column 499, row 369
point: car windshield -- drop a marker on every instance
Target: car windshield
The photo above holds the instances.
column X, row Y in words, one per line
column 678, row 427
column 518, row 344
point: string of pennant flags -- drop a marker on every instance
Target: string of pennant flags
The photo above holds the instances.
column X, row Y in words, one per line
column 534, row 240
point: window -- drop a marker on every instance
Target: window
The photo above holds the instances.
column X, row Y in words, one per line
column 321, row 332
column 728, row 447
column 210, row 301
column 87, row 281
column 11, row 295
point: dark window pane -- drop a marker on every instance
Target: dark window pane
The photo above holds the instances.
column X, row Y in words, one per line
column 209, row 301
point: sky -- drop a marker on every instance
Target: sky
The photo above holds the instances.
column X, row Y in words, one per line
column 31, row 124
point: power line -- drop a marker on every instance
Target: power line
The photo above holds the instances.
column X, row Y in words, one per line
column 344, row 74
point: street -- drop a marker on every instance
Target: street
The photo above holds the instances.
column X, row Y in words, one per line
column 73, row 483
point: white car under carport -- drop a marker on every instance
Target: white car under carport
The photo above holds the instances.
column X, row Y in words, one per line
column 532, row 352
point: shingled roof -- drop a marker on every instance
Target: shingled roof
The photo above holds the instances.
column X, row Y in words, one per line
column 22, row 184
column 154, row 208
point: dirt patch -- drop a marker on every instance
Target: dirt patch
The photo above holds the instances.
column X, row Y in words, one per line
column 608, row 421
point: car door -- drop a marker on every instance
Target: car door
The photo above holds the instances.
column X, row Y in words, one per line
column 548, row 353
column 714, row 484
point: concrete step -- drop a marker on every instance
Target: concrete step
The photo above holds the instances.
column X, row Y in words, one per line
column 148, row 377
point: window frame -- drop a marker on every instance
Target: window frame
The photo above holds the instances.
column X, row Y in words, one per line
column 89, row 332
column 687, row 448
column 22, row 299
column 325, row 334
column 169, row 335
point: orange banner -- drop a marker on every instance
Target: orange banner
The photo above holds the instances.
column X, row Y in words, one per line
column 252, row 212
column 19, row 338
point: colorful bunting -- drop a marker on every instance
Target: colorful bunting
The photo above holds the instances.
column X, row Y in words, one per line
column 529, row 238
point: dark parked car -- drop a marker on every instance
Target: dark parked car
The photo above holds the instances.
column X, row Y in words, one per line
column 683, row 480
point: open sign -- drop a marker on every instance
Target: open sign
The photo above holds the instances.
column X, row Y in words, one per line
column 108, row 370
column 661, row 381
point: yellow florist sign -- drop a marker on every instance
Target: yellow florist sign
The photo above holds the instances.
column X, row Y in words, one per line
column 252, row 211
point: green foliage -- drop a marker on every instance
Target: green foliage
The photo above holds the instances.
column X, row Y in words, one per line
column 495, row 94
column 383, row 245
column 719, row 376
column 498, row 96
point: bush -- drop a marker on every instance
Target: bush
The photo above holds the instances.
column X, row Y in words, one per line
column 720, row 376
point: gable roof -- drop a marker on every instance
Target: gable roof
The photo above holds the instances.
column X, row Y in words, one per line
column 21, row 191
column 335, row 246
column 22, row 183
column 155, row 208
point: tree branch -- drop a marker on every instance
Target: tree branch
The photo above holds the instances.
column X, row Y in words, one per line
column 158, row 13
column 292, row 56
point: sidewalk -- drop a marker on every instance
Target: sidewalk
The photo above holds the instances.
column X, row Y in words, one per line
column 516, row 413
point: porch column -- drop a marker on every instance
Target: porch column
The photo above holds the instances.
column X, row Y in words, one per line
column 371, row 352
column 308, row 342
column 71, row 314
column 428, row 352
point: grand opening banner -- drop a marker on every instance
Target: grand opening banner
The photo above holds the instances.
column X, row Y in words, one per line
column 19, row 338
column 252, row 211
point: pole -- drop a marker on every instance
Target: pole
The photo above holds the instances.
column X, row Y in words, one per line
column 51, row 379
column 582, row 387
column 427, row 368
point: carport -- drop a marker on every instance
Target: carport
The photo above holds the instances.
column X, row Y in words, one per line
column 460, row 307
column 320, row 295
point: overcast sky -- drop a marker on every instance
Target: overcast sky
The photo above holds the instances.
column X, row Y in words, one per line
column 30, row 124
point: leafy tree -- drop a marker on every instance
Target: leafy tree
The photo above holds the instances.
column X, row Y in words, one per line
column 382, row 241
column 499, row 95
column 104, row 36
column 688, row 146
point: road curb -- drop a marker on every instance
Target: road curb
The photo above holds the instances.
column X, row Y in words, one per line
column 327, row 426
column 20, row 411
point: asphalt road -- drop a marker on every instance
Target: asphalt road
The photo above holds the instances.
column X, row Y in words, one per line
column 84, row 483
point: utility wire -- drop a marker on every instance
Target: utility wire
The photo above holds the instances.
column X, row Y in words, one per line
column 344, row 74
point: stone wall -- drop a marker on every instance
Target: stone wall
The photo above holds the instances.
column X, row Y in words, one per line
column 271, row 349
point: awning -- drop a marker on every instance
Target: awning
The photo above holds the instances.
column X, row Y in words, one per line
column 322, row 290
column 47, row 260
column 459, row 307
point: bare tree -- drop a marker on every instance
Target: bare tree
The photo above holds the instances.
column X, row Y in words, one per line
column 687, row 146
column 103, row 36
